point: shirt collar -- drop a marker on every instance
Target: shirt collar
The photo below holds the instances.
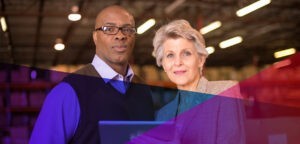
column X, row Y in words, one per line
column 202, row 85
column 107, row 73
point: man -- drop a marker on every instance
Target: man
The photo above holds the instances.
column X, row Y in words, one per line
column 100, row 90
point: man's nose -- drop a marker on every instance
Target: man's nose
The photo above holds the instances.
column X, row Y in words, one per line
column 120, row 35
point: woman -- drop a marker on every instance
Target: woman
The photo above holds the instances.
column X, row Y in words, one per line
column 200, row 115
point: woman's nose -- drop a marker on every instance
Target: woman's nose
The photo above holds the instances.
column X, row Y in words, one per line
column 178, row 61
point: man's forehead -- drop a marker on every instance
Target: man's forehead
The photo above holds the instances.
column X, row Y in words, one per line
column 115, row 10
column 115, row 22
column 115, row 19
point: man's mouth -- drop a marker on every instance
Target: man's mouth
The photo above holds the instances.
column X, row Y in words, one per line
column 120, row 48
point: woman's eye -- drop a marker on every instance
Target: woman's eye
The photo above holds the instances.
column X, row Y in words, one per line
column 187, row 53
column 169, row 55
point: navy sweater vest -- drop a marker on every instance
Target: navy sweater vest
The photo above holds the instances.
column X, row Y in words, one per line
column 100, row 101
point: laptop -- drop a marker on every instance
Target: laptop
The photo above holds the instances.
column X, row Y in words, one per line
column 278, row 130
column 120, row 132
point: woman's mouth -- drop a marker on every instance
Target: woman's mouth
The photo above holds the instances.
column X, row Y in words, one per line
column 179, row 72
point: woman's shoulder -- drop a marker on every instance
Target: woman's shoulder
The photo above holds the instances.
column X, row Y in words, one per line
column 222, row 83
column 216, row 87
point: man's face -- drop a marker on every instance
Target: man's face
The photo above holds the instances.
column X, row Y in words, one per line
column 114, row 49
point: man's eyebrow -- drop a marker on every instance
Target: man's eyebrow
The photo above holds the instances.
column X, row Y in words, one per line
column 113, row 24
column 128, row 25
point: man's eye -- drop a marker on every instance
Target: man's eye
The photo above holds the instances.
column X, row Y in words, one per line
column 108, row 29
column 128, row 29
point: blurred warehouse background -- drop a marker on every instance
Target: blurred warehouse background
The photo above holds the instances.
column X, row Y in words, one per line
column 243, row 45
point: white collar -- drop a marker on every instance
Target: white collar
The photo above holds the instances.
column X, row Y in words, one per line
column 107, row 73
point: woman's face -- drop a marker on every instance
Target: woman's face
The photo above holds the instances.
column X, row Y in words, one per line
column 182, row 63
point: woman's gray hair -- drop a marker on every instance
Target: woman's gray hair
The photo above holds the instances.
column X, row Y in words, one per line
column 177, row 29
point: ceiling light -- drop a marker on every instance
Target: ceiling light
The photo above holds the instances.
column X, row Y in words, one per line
column 212, row 26
column 145, row 26
column 210, row 49
column 59, row 46
column 230, row 42
column 3, row 24
column 283, row 63
column 173, row 6
column 74, row 16
column 284, row 53
column 33, row 74
column 252, row 7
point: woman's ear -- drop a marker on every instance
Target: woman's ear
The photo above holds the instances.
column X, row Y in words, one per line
column 201, row 61
column 163, row 65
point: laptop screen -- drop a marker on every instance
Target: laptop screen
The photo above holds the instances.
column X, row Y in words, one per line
column 120, row 132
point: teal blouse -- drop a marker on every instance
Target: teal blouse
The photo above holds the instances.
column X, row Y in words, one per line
column 183, row 101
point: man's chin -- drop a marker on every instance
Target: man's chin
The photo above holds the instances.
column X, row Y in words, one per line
column 121, row 61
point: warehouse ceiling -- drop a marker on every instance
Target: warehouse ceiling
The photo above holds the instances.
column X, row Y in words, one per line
column 34, row 25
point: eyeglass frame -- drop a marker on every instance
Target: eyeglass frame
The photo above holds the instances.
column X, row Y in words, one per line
column 118, row 29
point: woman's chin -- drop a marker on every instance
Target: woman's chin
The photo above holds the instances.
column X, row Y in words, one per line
column 180, row 83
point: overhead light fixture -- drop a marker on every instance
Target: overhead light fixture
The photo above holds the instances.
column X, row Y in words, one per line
column 59, row 46
column 145, row 26
column 231, row 42
column 74, row 16
column 282, row 64
column 3, row 24
column 252, row 7
column 212, row 26
column 33, row 74
column 284, row 53
column 210, row 49
column 173, row 6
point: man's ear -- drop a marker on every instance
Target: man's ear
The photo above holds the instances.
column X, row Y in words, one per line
column 95, row 37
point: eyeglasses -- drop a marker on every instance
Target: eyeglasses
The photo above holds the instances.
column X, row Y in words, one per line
column 112, row 30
